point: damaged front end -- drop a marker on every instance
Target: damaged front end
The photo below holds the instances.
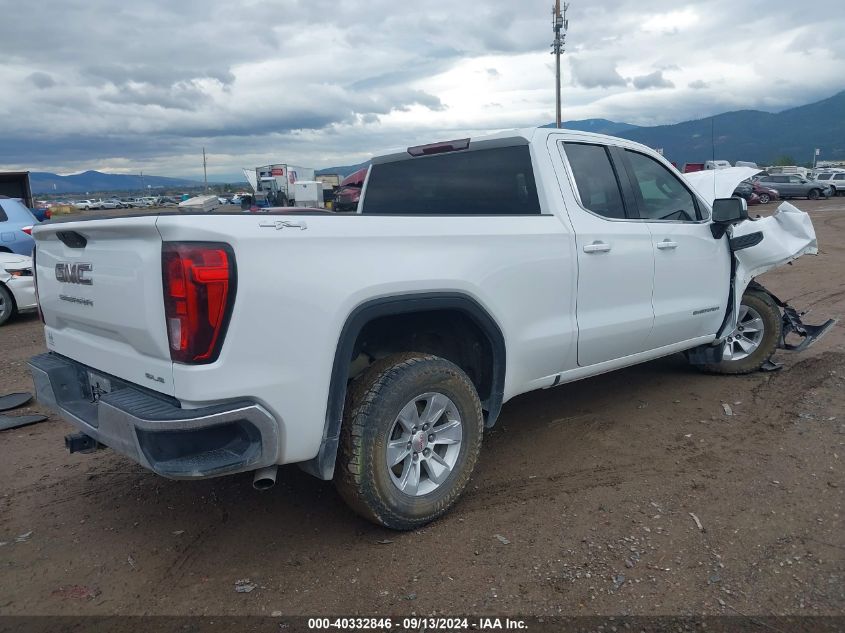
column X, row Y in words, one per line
column 793, row 326
column 759, row 245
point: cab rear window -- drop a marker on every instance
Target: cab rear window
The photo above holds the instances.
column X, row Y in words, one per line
column 497, row 181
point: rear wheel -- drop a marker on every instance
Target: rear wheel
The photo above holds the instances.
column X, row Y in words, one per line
column 814, row 194
column 410, row 440
column 765, row 198
column 755, row 338
column 7, row 305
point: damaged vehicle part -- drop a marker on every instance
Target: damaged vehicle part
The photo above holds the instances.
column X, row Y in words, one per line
column 14, row 400
column 15, row 421
column 757, row 322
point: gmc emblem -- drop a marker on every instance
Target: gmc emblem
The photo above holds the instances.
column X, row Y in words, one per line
column 74, row 274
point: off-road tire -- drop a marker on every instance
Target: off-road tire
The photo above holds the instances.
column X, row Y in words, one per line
column 8, row 302
column 373, row 401
column 772, row 328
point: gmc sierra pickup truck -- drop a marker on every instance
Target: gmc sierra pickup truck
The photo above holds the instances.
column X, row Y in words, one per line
column 374, row 348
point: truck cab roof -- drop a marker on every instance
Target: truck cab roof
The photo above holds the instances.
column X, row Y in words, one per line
column 505, row 138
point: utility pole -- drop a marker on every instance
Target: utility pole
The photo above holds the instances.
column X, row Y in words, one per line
column 560, row 26
column 204, row 169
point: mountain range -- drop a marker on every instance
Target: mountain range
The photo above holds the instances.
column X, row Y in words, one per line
column 96, row 181
column 762, row 137
column 752, row 135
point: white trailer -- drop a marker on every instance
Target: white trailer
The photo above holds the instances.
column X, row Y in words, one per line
column 308, row 193
column 275, row 182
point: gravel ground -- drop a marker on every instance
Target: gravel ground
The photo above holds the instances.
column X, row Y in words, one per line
column 629, row 493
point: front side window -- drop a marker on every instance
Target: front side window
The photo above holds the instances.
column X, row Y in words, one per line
column 839, row 176
column 659, row 193
column 795, row 180
column 496, row 181
column 597, row 184
column 823, row 177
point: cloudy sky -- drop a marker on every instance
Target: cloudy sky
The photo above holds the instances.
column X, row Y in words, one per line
column 144, row 85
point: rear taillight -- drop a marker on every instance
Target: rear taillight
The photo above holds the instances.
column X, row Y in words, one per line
column 27, row 230
column 35, row 284
column 199, row 292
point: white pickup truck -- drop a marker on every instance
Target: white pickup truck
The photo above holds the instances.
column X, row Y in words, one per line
column 374, row 348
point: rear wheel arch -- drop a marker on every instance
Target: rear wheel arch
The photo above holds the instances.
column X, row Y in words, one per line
column 404, row 306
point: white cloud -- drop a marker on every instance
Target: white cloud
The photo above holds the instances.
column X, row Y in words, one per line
column 671, row 22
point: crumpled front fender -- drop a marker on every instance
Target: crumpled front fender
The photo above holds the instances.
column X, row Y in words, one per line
column 787, row 235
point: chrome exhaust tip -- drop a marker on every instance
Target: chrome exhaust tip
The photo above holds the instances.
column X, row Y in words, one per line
column 265, row 478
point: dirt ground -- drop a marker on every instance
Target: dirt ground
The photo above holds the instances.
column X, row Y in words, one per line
column 583, row 503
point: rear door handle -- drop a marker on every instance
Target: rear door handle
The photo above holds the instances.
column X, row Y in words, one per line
column 667, row 245
column 597, row 247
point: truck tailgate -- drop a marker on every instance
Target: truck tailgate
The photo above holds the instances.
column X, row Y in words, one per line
column 100, row 290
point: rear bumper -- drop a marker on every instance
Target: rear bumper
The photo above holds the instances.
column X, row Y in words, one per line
column 154, row 430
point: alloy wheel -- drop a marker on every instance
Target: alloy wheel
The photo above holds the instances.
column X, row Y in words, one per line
column 424, row 444
column 747, row 336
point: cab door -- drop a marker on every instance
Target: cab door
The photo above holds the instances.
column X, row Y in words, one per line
column 615, row 256
column 692, row 269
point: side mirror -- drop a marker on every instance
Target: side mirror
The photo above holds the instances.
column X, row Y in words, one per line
column 727, row 211
column 730, row 210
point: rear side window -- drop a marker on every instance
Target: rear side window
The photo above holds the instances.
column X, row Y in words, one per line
column 595, row 179
column 839, row 176
column 823, row 177
column 496, row 181
column 11, row 208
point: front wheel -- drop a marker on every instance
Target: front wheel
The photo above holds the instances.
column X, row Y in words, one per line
column 755, row 338
column 814, row 194
column 410, row 440
column 765, row 198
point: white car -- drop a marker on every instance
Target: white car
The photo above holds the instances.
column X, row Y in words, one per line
column 834, row 178
column 87, row 205
column 473, row 271
column 17, row 285
column 111, row 204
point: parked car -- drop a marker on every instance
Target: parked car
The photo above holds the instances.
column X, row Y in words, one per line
column 17, row 286
column 483, row 269
column 764, row 193
column 744, row 190
column 792, row 186
column 349, row 193
column 835, row 179
column 41, row 213
column 16, row 222
column 87, row 205
column 113, row 203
